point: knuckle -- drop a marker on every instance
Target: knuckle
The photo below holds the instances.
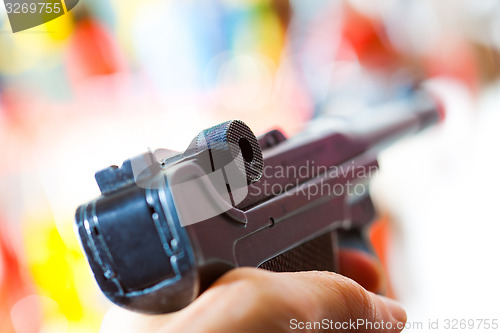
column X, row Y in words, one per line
column 237, row 274
column 358, row 301
column 348, row 295
column 243, row 286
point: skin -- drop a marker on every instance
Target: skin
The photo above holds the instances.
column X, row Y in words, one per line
column 251, row 300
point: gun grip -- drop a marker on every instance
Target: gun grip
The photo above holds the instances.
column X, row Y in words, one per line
column 318, row 254
column 322, row 254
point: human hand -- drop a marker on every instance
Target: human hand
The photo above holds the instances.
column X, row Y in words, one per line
column 255, row 301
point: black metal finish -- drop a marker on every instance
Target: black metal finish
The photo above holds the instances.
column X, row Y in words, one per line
column 149, row 254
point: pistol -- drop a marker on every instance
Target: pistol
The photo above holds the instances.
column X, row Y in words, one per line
column 168, row 224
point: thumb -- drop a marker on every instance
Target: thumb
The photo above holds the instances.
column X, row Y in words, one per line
column 254, row 300
column 340, row 304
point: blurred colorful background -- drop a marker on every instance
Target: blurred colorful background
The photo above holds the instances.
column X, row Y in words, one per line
column 112, row 78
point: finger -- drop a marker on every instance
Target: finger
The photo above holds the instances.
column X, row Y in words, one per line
column 363, row 268
column 342, row 300
column 254, row 300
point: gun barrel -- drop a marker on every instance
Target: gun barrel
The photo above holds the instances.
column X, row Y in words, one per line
column 331, row 140
column 376, row 126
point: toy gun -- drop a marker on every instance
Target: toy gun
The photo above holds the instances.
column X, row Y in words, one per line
column 169, row 224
